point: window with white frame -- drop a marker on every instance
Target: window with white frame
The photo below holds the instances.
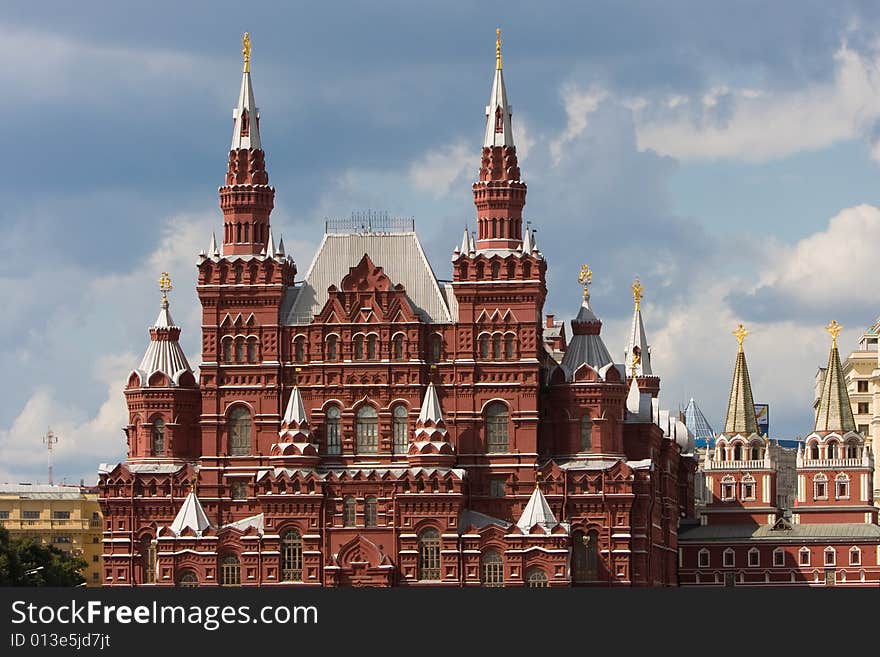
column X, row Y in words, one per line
column 703, row 558
column 728, row 488
column 747, row 487
column 841, row 486
column 830, row 556
column 779, row 557
column 820, row 487
column 754, row 558
column 729, row 560
column 855, row 556
column 804, row 556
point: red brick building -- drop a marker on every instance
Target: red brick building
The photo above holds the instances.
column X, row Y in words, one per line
column 747, row 538
column 371, row 424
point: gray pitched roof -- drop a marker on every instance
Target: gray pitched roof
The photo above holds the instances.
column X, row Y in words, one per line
column 800, row 532
column 399, row 254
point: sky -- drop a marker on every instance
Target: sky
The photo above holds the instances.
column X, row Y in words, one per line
column 724, row 152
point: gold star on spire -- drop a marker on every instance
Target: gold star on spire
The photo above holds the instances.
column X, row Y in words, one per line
column 834, row 329
column 498, row 49
column 585, row 278
column 246, row 51
column 638, row 290
column 165, row 286
column 741, row 332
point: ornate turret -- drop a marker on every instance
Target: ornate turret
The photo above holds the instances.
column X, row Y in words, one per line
column 500, row 193
column 835, row 410
column 431, row 447
column 741, row 405
column 246, row 199
column 295, row 436
column 586, row 345
column 637, row 357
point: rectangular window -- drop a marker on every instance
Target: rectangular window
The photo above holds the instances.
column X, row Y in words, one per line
column 4, row 515
column 864, row 408
column 779, row 558
column 804, row 557
column 30, row 515
column 61, row 539
column 863, row 429
column 862, row 386
column 829, row 557
column 821, row 492
column 855, row 557
column 497, row 487
column 703, row 559
column 61, row 515
column 754, row 558
column 239, row 490
column 748, row 491
column 727, row 491
column 728, row 558
column 842, row 490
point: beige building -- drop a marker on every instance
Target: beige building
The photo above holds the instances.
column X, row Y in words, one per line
column 861, row 371
column 67, row 517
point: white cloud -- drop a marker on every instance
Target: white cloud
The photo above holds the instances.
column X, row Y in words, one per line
column 759, row 124
column 578, row 107
column 440, row 168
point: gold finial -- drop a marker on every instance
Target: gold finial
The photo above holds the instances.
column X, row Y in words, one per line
column 638, row 290
column 194, row 484
column 246, row 52
column 741, row 332
column 165, row 286
column 834, row 329
column 538, row 479
column 498, row 49
column 585, row 278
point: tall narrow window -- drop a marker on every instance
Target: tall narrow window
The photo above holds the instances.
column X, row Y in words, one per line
column 830, row 556
column 586, row 433
column 227, row 354
column 496, row 346
column 429, row 555
column 239, row 428
column 527, row 270
column 496, row 271
column 400, row 429
column 239, row 350
column 348, row 512
column 332, row 347
column 435, row 345
column 814, row 451
column 158, row 446
column 737, row 452
column 370, row 512
column 832, row 450
column 252, row 350
column 230, row 571
column 358, row 347
column 484, row 347
column 372, row 347
column 291, row 556
column 496, row 427
column 508, row 347
column 491, row 569
column 755, row 453
column 367, row 429
column 331, row 426
column 820, row 487
column 299, row 350
column 842, row 486
column 852, row 450
column 536, row 579
column 397, row 347
column 150, row 574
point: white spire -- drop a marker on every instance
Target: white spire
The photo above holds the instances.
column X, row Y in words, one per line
column 270, row 246
column 191, row 515
column 245, row 117
column 281, row 253
column 295, row 414
column 527, row 240
column 472, row 245
column 212, row 249
column 537, row 512
column 465, row 241
column 498, row 111
column 637, row 339
column 431, row 411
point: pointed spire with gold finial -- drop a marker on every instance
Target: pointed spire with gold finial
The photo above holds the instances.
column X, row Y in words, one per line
column 245, row 116
column 537, row 512
column 835, row 410
column 638, row 353
column 741, row 405
column 498, row 111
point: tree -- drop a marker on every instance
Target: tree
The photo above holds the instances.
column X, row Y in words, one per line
column 25, row 562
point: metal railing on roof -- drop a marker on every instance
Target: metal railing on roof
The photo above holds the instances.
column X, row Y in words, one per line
column 370, row 221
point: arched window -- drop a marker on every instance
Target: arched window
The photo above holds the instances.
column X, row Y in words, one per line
column 754, row 558
column 830, row 556
column 536, row 578
column 188, row 580
column 585, row 556
column 230, row 571
column 728, row 488
column 299, row 350
column 481, row 271
column 239, row 350
column 348, row 512
column 737, row 452
column 496, row 427
column 227, row 355
column 358, row 347
column 435, row 345
column 814, row 450
column 586, row 433
column 331, row 429
column 804, row 556
column 491, row 569
column 508, row 347
column 252, row 354
column 841, row 486
column 400, row 429
column 463, row 271
column 755, row 452
column 496, row 346
column 429, row 555
column 332, row 347
column 370, row 512
column 855, row 556
column 158, row 442
column 484, row 347
column 291, row 556
column 527, row 270
column 747, row 487
column 372, row 347
column 367, row 429
column 832, row 450
column 511, row 270
column 703, row 557
column 239, row 428
column 779, row 557
column 496, row 271
column 397, row 347
column 720, row 452
column 852, row 449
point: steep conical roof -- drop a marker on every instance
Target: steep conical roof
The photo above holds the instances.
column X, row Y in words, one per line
column 537, row 512
column 245, row 116
column 637, row 341
column 696, row 422
column 191, row 515
column 835, row 410
column 741, row 405
column 498, row 111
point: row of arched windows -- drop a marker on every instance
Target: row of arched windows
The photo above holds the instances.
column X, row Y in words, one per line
column 753, row 557
column 494, row 270
column 241, row 350
column 841, row 486
column 241, row 232
column 367, row 347
column 349, row 512
column 497, row 346
column 833, row 450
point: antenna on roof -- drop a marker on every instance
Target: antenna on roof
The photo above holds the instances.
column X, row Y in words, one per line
column 50, row 439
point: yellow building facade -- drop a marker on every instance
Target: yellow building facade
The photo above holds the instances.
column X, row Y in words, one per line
column 67, row 517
